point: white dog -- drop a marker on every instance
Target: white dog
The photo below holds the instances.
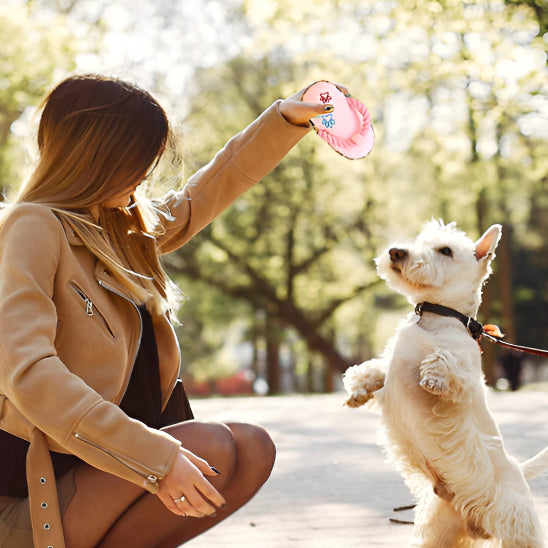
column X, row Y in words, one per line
column 430, row 388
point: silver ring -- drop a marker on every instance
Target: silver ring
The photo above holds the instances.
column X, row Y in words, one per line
column 182, row 498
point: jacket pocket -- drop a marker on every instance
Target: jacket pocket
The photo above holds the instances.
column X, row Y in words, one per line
column 91, row 310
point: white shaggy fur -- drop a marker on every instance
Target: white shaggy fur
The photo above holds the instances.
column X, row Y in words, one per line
column 430, row 388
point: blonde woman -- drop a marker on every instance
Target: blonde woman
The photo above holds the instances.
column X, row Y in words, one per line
column 89, row 450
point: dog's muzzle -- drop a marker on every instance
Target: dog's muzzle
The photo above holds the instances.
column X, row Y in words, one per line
column 397, row 255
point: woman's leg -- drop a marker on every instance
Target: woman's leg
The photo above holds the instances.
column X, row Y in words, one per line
column 255, row 454
column 101, row 499
column 110, row 512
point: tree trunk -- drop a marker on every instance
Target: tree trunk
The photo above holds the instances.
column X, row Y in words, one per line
column 315, row 342
column 309, row 374
column 329, row 383
column 273, row 373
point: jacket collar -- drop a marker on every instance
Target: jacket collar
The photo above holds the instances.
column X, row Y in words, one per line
column 72, row 237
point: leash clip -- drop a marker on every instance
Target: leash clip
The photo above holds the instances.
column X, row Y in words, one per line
column 475, row 328
column 490, row 337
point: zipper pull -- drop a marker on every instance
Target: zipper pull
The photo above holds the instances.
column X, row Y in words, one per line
column 89, row 307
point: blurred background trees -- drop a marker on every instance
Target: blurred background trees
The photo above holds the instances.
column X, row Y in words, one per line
column 34, row 53
column 283, row 283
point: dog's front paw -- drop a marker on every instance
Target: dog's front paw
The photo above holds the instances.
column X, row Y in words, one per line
column 357, row 399
column 362, row 381
column 433, row 377
column 434, row 385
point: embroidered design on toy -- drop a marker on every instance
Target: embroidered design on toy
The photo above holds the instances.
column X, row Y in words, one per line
column 325, row 97
column 328, row 120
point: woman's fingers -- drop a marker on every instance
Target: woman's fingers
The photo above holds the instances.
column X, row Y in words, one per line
column 300, row 113
column 170, row 503
column 198, row 501
column 186, row 491
column 201, row 464
column 193, row 503
column 209, row 493
column 193, row 506
column 202, row 500
column 343, row 89
column 297, row 112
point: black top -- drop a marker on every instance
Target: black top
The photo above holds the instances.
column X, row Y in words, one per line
column 143, row 397
column 142, row 401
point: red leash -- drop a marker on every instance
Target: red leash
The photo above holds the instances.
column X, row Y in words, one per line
column 498, row 340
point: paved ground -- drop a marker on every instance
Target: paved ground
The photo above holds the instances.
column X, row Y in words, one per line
column 330, row 487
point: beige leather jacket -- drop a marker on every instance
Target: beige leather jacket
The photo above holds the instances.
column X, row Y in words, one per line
column 69, row 334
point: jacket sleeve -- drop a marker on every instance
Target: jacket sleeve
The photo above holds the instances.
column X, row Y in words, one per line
column 245, row 159
column 39, row 385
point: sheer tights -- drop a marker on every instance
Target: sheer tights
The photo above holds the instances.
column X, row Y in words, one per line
column 109, row 512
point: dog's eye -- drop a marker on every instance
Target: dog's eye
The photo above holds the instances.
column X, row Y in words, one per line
column 447, row 251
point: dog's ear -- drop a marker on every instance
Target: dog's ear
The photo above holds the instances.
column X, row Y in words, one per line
column 486, row 245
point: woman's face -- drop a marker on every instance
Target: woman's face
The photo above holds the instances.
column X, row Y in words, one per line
column 121, row 200
column 124, row 198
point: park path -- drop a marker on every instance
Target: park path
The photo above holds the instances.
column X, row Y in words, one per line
column 330, row 487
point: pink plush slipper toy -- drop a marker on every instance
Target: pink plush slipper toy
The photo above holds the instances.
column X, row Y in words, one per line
column 347, row 129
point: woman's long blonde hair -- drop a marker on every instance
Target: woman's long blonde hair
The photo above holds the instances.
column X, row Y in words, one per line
column 98, row 137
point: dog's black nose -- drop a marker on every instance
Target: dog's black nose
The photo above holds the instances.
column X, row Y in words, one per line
column 397, row 254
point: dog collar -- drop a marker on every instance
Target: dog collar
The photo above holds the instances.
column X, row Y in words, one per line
column 474, row 327
column 477, row 330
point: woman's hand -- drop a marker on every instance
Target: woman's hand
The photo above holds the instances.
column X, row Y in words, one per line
column 186, row 481
column 297, row 112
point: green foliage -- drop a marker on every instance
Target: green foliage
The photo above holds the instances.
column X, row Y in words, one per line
column 455, row 93
column 34, row 53
column 539, row 9
column 288, row 242
column 210, row 327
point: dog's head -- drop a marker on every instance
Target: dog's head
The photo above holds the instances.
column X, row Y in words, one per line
column 442, row 266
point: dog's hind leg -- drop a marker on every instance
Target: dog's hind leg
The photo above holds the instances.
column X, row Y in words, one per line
column 437, row 524
column 512, row 519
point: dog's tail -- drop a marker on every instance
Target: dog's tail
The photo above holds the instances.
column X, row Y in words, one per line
column 535, row 465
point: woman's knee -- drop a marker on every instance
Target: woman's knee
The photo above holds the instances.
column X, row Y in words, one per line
column 254, row 446
column 195, row 432
column 229, row 447
column 212, row 441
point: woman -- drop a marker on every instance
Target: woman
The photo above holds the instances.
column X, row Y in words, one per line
column 88, row 359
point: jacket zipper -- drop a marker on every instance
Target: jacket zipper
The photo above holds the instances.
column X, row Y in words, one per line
column 108, row 288
column 151, row 478
column 91, row 310
column 105, row 286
